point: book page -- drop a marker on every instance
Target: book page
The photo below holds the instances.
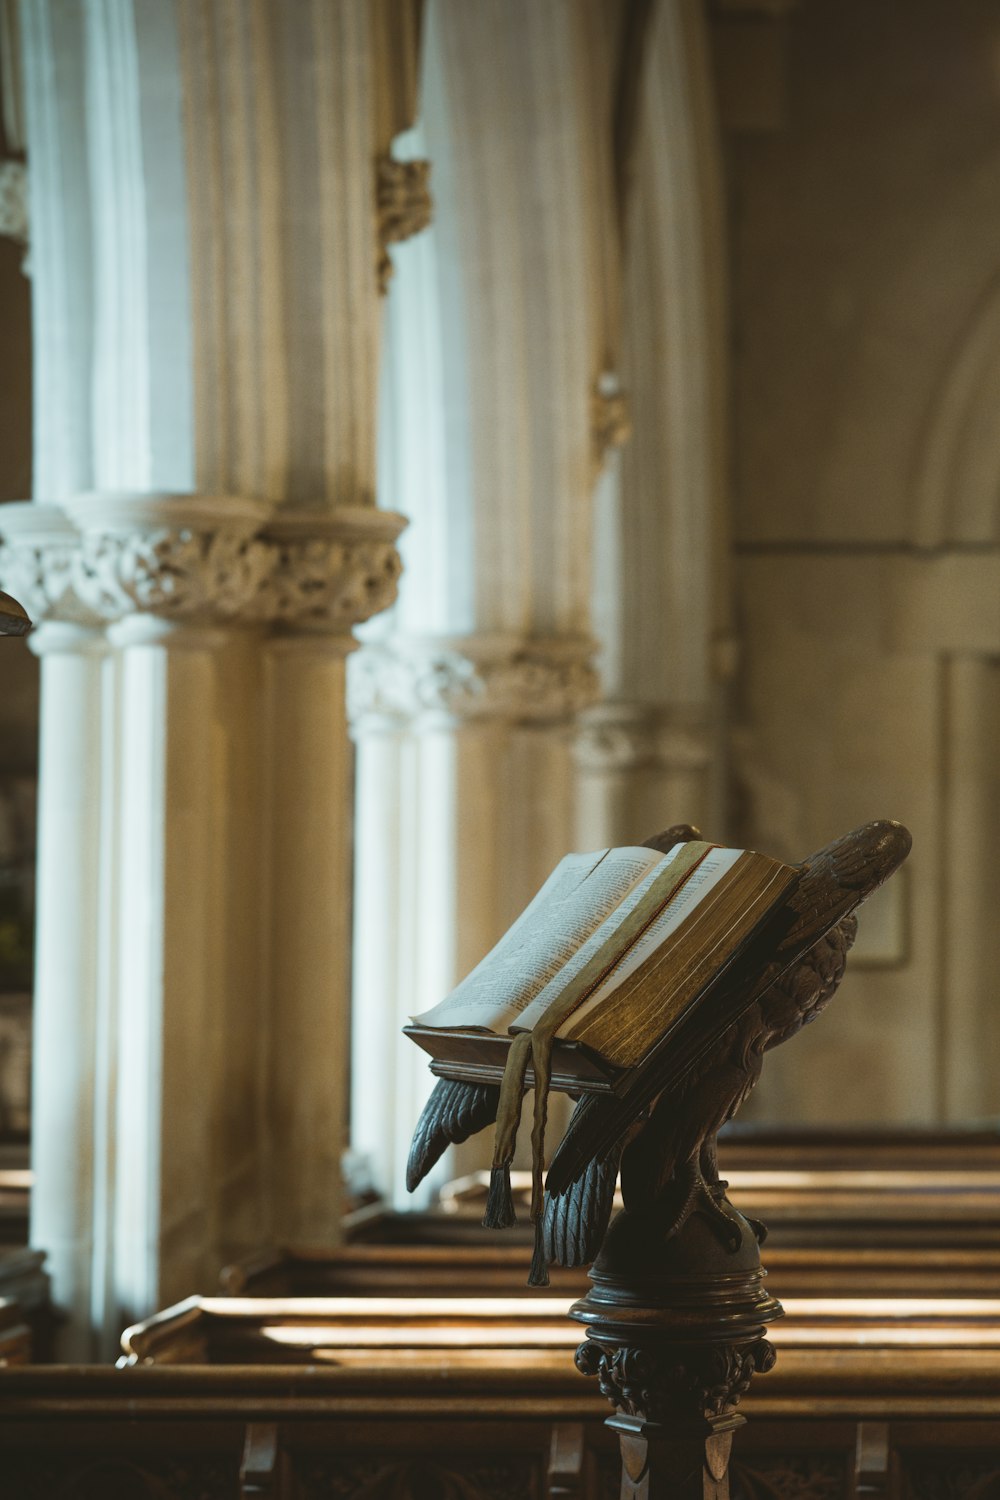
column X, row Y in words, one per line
column 657, row 990
column 640, row 893
column 580, row 893
column 713, row 868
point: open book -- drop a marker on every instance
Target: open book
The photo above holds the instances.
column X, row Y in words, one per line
column 617, row 948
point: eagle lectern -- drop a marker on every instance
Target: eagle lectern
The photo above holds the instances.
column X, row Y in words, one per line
column 677, row 1313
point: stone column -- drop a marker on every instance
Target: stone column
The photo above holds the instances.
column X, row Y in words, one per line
column 207, row 313
column 36, row 562
column 650, row 753
column 464, row 804
column 495, row 419
column 330, row 574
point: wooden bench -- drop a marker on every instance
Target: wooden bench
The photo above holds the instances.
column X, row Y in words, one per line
column 480, row 1400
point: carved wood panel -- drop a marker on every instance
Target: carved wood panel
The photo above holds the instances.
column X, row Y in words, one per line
column 84, row 1476
column 792, row 1476
column 950, row 1476
column 468, row 1477
column 777, row 1476
column 471, row 1458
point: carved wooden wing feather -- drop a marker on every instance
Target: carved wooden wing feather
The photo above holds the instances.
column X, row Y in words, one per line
column 599, row 1123
column 453, row 1112
column 574, row 1222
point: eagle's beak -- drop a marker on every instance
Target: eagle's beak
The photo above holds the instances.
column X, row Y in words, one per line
column 13, row 619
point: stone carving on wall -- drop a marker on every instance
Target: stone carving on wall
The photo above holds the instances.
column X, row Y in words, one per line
column 404, row 207
column 535, row 680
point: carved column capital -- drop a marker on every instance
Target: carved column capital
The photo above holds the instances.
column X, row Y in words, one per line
column 614, row 737
column 187, row 558
column 199, row 560
column 403, row 204
column 329, row 571
column 621, row 736
column 37, row 547
column 517, row 679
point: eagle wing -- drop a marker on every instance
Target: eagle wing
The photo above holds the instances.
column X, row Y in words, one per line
column 453, row 1112
column 574, row 1223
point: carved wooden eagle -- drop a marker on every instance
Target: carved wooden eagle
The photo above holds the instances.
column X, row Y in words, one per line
column 661, row 1132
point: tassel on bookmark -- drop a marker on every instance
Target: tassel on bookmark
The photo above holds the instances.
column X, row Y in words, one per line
column 539, row 1273
column 500, row 1202
column 541, row 1058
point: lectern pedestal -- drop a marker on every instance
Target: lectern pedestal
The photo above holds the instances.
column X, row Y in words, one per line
column 675, row 1332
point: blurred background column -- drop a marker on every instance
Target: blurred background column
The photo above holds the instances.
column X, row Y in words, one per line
column 212, row 193
column 652, row 751
column 500, row 400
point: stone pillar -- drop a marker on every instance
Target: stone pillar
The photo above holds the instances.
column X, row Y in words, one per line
column 207, row 315
column 36, row 562
column 650, row 753
column 463, row 703
column 464, row 804
column 331, row 574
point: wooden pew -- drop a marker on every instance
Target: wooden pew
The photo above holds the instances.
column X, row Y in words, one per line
column 915, row 1214
column 500, row 1270
column 480, row 1400
column 15, row 1337
column 15, row 1196
column 24, row 1283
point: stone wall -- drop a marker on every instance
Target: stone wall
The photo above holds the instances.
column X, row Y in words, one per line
column 865, row 232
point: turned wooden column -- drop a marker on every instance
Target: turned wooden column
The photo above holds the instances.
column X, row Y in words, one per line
column 675, row 1333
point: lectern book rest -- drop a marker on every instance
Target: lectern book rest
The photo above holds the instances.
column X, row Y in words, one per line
column 656, row 983
column 618, row 949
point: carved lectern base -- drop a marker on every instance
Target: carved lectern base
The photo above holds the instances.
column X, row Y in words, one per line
column 675, row 1333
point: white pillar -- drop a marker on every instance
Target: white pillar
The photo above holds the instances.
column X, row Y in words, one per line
column 171, row 924
column 177, row 1175
column 68, row 1013
column 211, row 203
column 498, row 342
column 35, row 560
column 650, row 753
column 309, row 956
column 464, row 805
